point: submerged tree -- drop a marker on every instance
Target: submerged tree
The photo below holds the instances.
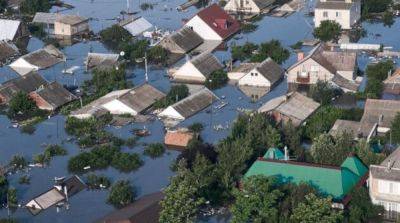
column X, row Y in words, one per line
column 121, row 194
column 328, row 30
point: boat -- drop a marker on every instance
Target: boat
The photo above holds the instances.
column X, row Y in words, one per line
column 141, row 132
column 70, row 70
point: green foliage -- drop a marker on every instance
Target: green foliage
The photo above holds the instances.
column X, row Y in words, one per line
column 115, row 35
column 376, row 74
column 121, row 194
column 323, row 92
column 3, row 189
column 105, row 81
column 315, row 209
column 395, row 129
column 361, row 208
column 330, row 150
column 126, row 162
column 37, row 30
column 196, row 127
column 374, row 6
column 364, row 151
column 297, row 45
column 243, row 52
column 157, row 55
column 292, row 139
column 18, row 162
column 12, row 200
column 21, row 106
column 217, row 79
column 94, row 181
column 257, row 201
column 177, row 93
column 49, row 152
column 8, row 220
column 32, row 6
column 24, row 180
column 272, row 49
column 146, row 6
column 3, row 5
column 248, row 27
column 131, row 142
column 328, row 30
column 388, row 18
column 154, row 150
column 28, row 129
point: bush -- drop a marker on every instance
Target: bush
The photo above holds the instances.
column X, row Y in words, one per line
column 243, row 52
column 217, row 79
column 28, row 129
column 157, row 55
column 18, row 162
column 21, row 105
column 196, row 127
column 272, row 49
column 154, row 150
column 248, row 27
column 32, row 6
column 131, row 142
column 24, row 180
column 177, row 92
column 328, row 31
column 376, row 74
column 121, row 194
column 115, row 34
column 146, row 6
column 126, row 162
column 324, row 92
column 97, row 181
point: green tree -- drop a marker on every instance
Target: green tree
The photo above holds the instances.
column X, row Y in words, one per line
column 3, row 189
column 175, row 94
column 331, row 150
column 272, row 49
column 395, row 129
column 196, row 127
column 12, row 200
column 32, row 6
column 21, row 105
column 257, row 201
column 243, row 52
column 154, row 150
column 3, row 5
column 107, row 80
column 157, row 55
column 217, row 79
column 315, row 209
column 376, row 74
column 323, row 92
column 121, row 194
column 115, row 35
column 292, row 139
column 328, row 30
column 364, row 152
column 361, row 208
column 126, row 162
column 388, row 18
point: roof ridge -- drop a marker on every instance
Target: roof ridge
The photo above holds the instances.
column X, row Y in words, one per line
column 301, row 163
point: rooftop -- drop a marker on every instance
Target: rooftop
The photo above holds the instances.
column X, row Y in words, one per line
column 45, row 18
column 381, row 112
column 270, row 70
column 333, row 4
column 178, row 138
column 8, row 29
column 186, row 39
column 27, row 83
column 7, row 51
column 136, row 26
column 71, row 19
column 55, row 94
column 245, row 67
column 341, row 126
column 389, row 169
column 206, row 63
column 101, row 60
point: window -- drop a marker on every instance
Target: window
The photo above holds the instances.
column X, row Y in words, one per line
column 337, row 14
column 325, row 14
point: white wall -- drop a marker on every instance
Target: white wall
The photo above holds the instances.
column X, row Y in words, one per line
column 188, row 72
column 202, row 29
column 308, row 65
column 118, row 108
column 343, row 19
column 254, row 80
column 23, row 67
column 171, row 113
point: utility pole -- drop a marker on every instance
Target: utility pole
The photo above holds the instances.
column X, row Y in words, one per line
column 145, row 67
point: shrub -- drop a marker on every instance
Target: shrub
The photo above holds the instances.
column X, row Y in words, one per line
column 115, row 34
column 126, row 162
column 154, row 150
column 196, row 127
column 121, row 194
column 18, row 162
column 131, row 142
column 177, row 92
column 28, row 129
column 24, row 180
column 97, row 181
column 328, row 31
column 217, row 79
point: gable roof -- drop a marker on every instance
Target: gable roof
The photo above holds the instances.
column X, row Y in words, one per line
column 55, row 94
column 389, row 169
column 206, row 63
column 340, row 126
column 141, row 97
column 329, row 180
column 71, row 19
column 333, row 4
column 7, row 51
column 274, row 153
column 136, row 26
column 178, row 138
column 270, row 70
column 381, row 112
column 8, row 29
column 45, row 17
column 394, row 78
column 186, row 39
column 262, row 4
column 244, row 67
column 218, row 20
column 344, row 83
column 27, row 83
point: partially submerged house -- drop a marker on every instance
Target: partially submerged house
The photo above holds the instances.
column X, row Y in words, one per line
column 213, row 23
column 384, row 181
column 392, row 84
column 8, row 52
column 136, row 26
column 12, row 30
column 144, row 210
column 345, row 12
column 27, row 83
column 71, row 25
column 247, row 6
column 293, row 107
column 266, row 74
column 101, row 61
column 323, row 64
column 238, row 72
column 178, row 139
column 47, row 19
column 189, row 106
column 197, row 69
column 334, row 181
column 51, row 96
column 182, row 41
column 57, row 195
column 129, row 101
column 38, row 60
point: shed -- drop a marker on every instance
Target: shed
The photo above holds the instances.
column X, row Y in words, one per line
column 136, row 26
column 52, row 96
column 71, row 25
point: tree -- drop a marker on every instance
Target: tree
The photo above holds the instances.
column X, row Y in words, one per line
column 107, row 80
column 32, row 6
column 365, row 153
column 395, row 129
column 315, row 209
column 121, row 194
column 217, row 79
column 157, row 55
column 292, row 139
column 115, row 35
column 154, row 150
column 21, row 105
column 176, row 93
column 376, row 74
column 323, row 92
column 272, row 49
column 196, row 127
column 12, row 200
column 388, row 18
column 3, row 5
column 3, row 189
column 361, row 208
column 257, row 201
column 328, row 30
column 243, row 52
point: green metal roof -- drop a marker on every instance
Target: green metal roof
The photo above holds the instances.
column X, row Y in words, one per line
column 274, row 153
column 333, row 181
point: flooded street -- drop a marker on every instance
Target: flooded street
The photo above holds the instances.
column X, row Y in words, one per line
column 154, row 175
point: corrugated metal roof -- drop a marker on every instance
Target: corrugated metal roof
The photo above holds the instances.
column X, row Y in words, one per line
column 8, row 29
column 136, row 26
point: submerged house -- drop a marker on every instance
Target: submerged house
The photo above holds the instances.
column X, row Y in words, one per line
column 197, row 69
column 71, row 25
column 57, row 195
column 345, row 12
column 178, row 139
column 46, row 19
column 189, row 106
column 392, row 84
column 12, row 30
column 37, row 60
column 334, row 181
column 8, row 52
column 247, row 6
column 323, row 64
column 129, row 101
column 51, row 96
column 213, row 23
column 182, row 41
column 136, row 26
column 101, row 61
column 293, row 107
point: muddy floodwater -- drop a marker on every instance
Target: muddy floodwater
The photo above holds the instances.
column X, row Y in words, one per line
column 154, row 174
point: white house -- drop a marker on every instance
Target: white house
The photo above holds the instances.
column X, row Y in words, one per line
column 198, row 69
column 344, row 12
column 247, row 6
column 213, row 23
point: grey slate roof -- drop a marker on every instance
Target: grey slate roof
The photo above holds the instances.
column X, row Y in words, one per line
column 379, row 111
column 44, row 58
column 142, row 97
column 340, row 126
column 186, row 39
column 195, row 102
column 27, row 83
column 345, row 83
column 389, row 169
column 271, row 70
column 333, row 4
column 55, row 94
column 206, row 63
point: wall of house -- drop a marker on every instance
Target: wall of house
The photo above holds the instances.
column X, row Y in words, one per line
column 350, row 75
column 116, row 107
column 202, row 29
column 22, row 63
column 235, row 76
column 248, row 6
column 189, row 73
column 68, row 30
column 171, row 113
column 254, row 78
column 385, row 193
column 340, row 16
column 316, row 72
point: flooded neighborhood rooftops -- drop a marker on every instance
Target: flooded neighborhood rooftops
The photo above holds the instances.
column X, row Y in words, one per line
column 27, row 83
column 71, row 19
column 136, row 26
column 381, row 112
column 55, row 95
column 8, row 29
column 206, row 63
column 350, row 127
column 101, row 60
column 186, row 39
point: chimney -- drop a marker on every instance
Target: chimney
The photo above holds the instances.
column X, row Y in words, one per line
column 300, row 55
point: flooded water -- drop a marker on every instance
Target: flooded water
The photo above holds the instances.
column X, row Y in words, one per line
column 154, row 174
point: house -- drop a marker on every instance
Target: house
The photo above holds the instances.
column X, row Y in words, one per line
column 182, row 41
column 213, row 23
column 197, row 69
column 334, row 181
column 12, row 30
column 27, row 83
column 384, row 184
column 37, row 60
column 392, row 84
column 293, row 107
column 60, row 193
column 345, row 12
column 346, row 126
column 71, row 25
column 129, row 101
column 292, row 6
column 8, row 51
column 46, row 19
column 144, row 210
column 51, row 96
column 136, row 26
column 178, row 139
column 267, row 74
column 189, row 106
column 238, row 72
column 322, row 64
column 101, row 61
column 247, row 6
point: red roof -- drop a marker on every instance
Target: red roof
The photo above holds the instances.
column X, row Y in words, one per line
column 219, row 21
